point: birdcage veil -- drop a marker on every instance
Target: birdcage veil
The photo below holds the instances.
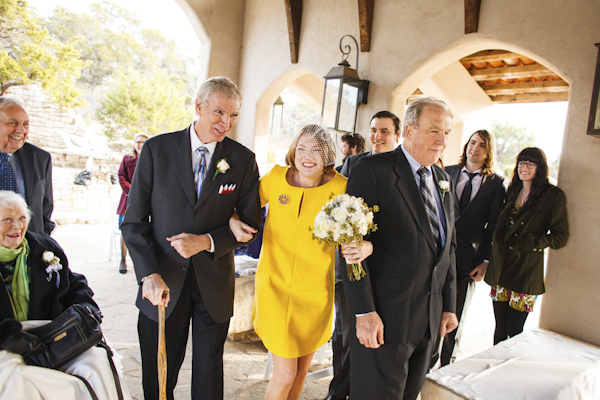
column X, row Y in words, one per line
column 322, row 146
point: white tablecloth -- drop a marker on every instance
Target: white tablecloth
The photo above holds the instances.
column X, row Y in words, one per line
column 535, row 365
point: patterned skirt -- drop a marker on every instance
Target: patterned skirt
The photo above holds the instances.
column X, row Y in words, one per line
column 518, row 301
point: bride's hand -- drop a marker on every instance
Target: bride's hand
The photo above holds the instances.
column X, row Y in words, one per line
column 355, row 253
column 242, row 231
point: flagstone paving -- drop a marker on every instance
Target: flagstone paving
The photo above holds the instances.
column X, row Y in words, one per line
column 88, row 247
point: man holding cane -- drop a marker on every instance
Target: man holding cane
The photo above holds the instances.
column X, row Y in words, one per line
column 186, row 187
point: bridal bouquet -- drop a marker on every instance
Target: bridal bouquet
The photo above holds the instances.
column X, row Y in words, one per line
column 344, row 219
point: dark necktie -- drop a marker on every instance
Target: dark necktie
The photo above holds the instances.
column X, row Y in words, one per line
column 200, row 168
column 7, row 175
column 429, row 202
column 465, row 198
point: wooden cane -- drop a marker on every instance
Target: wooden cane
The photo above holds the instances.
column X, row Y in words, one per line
column 162, row 354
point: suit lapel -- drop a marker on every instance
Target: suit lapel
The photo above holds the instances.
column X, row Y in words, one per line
column 409, row 191
column 446, row 203
column 181, row 157
column 210, row 185
column 27, row 164
column 454, row 173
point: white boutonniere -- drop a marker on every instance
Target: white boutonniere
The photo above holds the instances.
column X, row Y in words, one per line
column 444, row 188
column 222, row 167
column 53, row 264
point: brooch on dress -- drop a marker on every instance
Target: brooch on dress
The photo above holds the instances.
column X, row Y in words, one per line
column 284, row 199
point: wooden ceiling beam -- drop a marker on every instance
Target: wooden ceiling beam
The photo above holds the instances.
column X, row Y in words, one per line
column 489, row 55
column 522, row 71
column 293, row 12
column 531, row 98
column 472, row 8
column 526, row 87
column 365, row 19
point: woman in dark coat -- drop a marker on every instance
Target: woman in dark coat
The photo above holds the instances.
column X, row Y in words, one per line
column 37, row 284
column 126, row 171
column 534, row 216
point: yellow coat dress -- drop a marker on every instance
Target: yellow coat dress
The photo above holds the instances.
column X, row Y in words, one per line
column 293, row 302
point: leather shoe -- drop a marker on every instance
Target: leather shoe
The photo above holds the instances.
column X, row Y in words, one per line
column 331, row 398
column 123, row 268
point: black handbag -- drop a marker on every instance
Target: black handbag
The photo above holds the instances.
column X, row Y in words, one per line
column 70, row 334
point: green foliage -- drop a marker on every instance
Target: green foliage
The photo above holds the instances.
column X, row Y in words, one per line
column 510, row 140
column 29, row 54
column 143, row 81
column 142, row 102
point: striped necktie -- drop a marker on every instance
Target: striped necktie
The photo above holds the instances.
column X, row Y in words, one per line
column 200, row 168
column 429, row 202
column 7, row 175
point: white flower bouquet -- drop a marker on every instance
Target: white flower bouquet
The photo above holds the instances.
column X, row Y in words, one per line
column 344, row 219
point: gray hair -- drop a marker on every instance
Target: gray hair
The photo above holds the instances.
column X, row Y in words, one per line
column 6, row 102
column 12, row 200
column 218, row 84
column 415, row 109
column 141, row 135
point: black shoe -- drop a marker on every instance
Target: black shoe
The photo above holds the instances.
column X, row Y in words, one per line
column 123, row 268
column 331, row 398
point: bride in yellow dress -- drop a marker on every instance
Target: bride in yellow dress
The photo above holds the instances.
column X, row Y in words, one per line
column 293, row 304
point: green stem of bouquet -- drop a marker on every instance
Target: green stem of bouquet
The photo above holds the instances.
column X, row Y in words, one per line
column 355, row 272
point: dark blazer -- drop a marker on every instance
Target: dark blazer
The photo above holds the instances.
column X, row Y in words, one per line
column 404, row 270
column 163, row 203
column 475, row 226
column 49, row 298
column 517, row 261
column 36, row 166
column 126, row 170
column 340, row 262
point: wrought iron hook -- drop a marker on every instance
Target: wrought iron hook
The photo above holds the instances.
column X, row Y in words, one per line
column 348, row 48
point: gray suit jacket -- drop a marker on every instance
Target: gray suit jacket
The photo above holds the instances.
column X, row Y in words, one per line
column 36, row 165
column 408, row 283
column 162, row 203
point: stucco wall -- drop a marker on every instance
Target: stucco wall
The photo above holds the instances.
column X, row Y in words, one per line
column 413, row 40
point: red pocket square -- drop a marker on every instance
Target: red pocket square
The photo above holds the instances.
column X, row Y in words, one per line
column 227, row 188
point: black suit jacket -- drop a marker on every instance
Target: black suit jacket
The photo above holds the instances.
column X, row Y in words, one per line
column 475, row 226
column 162, row 203
column 346, row 168
column 36, row 166
column 408, row 283
column 49, row 298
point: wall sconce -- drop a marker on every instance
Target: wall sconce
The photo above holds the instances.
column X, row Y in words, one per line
column 344, row 91
column 594, row 121
column 276, row 117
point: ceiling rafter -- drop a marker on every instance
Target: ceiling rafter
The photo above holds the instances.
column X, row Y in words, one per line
column 526, row 87
column 522, row 71
column 472, row 8
column 293, row 12
column 365, row 19
column 508, row 77
column 531, row 98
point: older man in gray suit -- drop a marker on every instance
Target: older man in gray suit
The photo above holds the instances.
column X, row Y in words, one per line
column 186, row 186
column 25, row 168
column 408, row 296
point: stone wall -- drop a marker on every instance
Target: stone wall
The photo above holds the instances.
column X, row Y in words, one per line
column 63, row 133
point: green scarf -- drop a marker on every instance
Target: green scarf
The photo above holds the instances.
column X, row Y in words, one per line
column 20, row 282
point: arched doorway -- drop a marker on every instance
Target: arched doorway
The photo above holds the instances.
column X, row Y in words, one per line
column 307, row 90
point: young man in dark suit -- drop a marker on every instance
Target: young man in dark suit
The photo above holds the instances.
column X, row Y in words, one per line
column 383, row 136
column 186, row 186
column 352, row 143
column 29, row 168
column 478, row 197
column 407, row 297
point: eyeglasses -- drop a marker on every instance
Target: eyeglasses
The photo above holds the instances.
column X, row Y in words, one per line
column 528, row 164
